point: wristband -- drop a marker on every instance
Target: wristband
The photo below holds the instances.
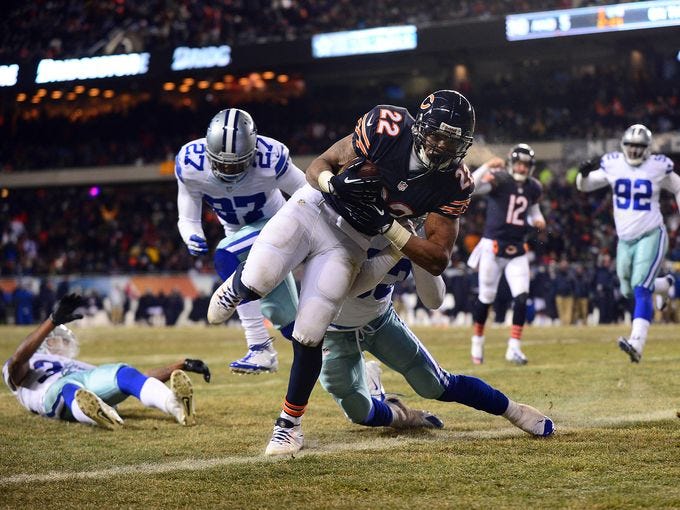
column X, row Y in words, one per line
column 397, row 235
column 324, row 181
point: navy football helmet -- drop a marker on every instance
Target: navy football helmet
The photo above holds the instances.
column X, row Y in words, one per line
column 443, row 130
column 636, row 144
column 231, row 144
column 524, row 153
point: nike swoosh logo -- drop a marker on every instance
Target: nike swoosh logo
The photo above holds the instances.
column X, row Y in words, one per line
column 369, row 121
column 348, row 180
column 378, row 209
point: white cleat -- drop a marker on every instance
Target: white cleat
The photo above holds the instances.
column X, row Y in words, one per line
column 516, row 356
column 181, row 404
column 477, row 349
column 223, row 302
column 403, row 417
column 260, row 358
column 287, row 439
column 373, row 372
column 97, row 410
column 529, row 419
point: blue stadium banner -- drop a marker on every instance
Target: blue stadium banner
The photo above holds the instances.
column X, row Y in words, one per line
column 360, row 42
column 184, row 57
column 593, row 20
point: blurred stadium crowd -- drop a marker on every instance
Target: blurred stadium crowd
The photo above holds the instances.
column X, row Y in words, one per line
column 132, row 229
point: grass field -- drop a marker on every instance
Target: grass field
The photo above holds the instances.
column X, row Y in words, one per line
column 617, row 443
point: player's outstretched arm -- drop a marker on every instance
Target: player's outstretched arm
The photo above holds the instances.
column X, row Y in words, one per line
column 18, row 362
column 430, row 289
column 189, row 365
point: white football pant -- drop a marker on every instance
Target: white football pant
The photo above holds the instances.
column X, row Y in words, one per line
column 491, row 268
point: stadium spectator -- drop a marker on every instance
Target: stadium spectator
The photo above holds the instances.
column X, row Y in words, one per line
column 564, row 293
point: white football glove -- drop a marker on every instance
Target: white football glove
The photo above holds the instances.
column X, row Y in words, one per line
column 197, row 245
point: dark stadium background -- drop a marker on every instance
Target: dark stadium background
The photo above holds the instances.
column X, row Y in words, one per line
column 86, row 174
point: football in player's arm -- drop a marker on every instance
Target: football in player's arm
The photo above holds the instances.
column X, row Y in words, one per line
column 46, row 379
column 241, row 176
column 636, row 177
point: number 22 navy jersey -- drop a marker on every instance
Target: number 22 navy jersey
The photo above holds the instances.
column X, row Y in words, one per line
column 383, row 136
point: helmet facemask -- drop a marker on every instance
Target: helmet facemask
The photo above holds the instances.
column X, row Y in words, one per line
column 636, row 144
column 230, row 144
column 521, row 154
column 441, row 147
column 60, row 342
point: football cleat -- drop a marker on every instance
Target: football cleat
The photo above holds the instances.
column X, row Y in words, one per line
column 181, row 403
column 629, row 349
column 373, row 372
column 260, row 358
column 477, row 350
column 529, row 419
column 403, row 417
column 97, row 410
column 287, row 438
column 516, row 356
column 223, row 302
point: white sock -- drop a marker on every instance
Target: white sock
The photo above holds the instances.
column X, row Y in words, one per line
column 662, row 285
column 638, row 335
column 79, row 415
column 252, row 321
column 296, row 420
column 155, row 394
column 514, row 343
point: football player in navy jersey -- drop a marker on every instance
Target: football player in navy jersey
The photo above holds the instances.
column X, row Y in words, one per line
column 392, row 167
column 512, row 209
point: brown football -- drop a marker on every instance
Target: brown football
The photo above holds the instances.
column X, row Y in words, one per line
column 367, row 169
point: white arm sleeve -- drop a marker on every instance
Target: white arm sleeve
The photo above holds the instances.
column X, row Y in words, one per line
column 672, row 183
column 189, row 207
column 373, row 270
column 431, row 289
column 595, row 180
column 534, row 214
column 481, row 188
column 292, row 180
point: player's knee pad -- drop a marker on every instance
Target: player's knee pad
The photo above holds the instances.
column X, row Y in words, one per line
column 487, row 294
column 519, row 309
column 339, row 378
column 245, row 292
column 225, row 263
column 313, row 318
column 424, row 382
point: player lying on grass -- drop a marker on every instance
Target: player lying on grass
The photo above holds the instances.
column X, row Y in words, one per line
column 369, row 323
column 46, row 379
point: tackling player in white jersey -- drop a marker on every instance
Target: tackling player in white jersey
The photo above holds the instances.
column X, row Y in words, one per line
column 369, row 323
column 240, row 175
column 636, row 177
column 46, row 379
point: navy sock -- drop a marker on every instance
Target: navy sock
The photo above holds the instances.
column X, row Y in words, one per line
column 130, row 381
column 380, row 415
column 474, row 392
column 287, row 331
column 304, row 373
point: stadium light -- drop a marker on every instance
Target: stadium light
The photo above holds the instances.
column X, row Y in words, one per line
column 8, row 75
column 359, row 42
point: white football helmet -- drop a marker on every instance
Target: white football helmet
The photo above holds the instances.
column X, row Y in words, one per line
column 636, row 144
column 60, row 342
column 231, row 144
column 525, row 154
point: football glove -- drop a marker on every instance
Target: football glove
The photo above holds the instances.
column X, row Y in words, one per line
column 350, row 186
column 369, row 217
column 197, row 245
column 65, row 308
column 589, row 165
column 198, row 366
column 499, row 178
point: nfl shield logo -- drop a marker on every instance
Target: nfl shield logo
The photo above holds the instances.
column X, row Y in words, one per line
column 402, row 186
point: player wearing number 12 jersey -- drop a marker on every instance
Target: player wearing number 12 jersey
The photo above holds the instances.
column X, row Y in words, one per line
column 636, row 177
column 240, row 175
column 417, row 169
column 511, row 210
